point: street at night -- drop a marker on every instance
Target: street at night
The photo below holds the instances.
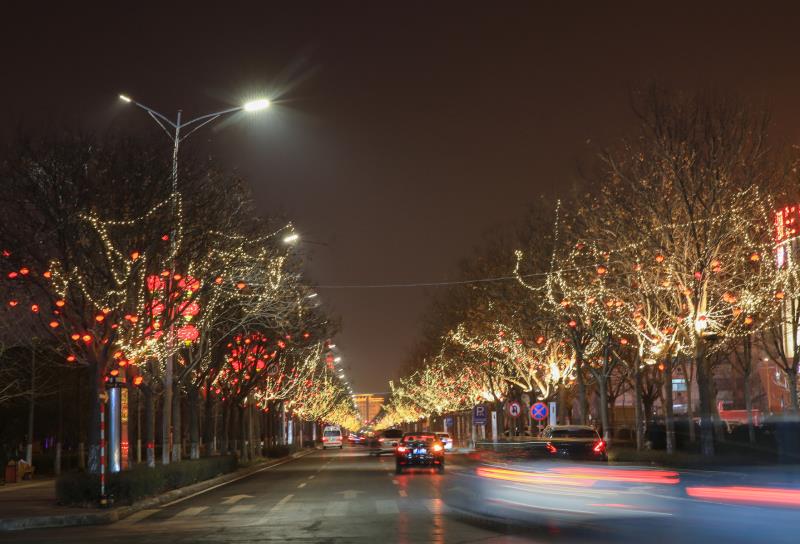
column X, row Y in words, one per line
column 414, row 272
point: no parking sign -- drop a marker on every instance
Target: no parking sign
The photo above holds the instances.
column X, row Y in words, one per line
column 514, row 409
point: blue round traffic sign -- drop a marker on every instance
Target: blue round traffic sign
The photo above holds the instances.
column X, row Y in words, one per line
column 539, row 411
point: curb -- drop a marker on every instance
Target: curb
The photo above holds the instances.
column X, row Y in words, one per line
column 116, row 514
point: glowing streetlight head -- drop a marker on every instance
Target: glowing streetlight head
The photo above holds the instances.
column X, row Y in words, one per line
column 125, row 98
column 291, row 238
column 256, row 105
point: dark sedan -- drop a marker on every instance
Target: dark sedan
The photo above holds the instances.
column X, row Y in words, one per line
column 419, row 450
column 576, row 442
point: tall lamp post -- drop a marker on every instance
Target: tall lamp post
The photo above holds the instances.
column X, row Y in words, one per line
column 175, row 130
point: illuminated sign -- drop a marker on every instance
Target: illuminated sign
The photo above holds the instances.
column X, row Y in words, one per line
column 786, row 223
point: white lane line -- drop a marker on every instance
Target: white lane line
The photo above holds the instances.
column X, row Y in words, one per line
column 273, row 465
column 403, row 493
column 385, row 507
column 240, row 508
column 138, row 516
column 312, row 476
column 395, row 482
column 336, row 509
column 190, row 512
column 301, row 486
column 280, row 503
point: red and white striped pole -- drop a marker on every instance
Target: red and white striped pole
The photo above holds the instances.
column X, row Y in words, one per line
column 102, row 453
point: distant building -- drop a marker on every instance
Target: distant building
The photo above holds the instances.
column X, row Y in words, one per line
column 369, row 404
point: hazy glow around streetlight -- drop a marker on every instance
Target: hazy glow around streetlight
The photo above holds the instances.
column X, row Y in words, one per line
column 256, row 105
column 290, row 239
column 125, row 98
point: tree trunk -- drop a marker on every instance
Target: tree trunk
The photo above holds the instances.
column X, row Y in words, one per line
column 669, row 417
column 95, row 387
column 687, row 369
column 602, row 389
column 31, row 408
column 243, row 432
column 747, row 370
column 59, row 431
column 637, row 405
column 177, row 431
column 226, row 428
column 706, row 405
column 793, row 390
column 582, row 411
column 209, row 427
column 194, row 422
column 149, row 426
column 562, row 404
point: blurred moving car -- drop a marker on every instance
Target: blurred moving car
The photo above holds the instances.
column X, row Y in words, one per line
column 445, row 439
column 385, row 441
column 332, row 437
column 576, row 442
column 419, row 450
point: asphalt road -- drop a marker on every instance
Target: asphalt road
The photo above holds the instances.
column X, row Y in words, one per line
column 332, row 496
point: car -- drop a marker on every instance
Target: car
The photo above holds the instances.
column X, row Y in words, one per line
column 419, row 450
column 445, row 439
column 578, row 442
column 385, row 441
column 332, row 437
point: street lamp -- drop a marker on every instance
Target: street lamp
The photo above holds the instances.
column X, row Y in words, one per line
column 175, row 129
column 291, row 238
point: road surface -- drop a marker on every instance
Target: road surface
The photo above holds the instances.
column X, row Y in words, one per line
column 332, row 496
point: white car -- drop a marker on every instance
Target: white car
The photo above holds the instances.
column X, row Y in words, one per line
column 331, row 437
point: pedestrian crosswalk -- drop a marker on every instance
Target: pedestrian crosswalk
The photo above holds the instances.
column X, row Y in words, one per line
column 289, row 507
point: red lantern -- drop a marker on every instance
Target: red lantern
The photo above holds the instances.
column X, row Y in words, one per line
column 35, row 308
column 188, row 333
column 190, row 309
column 12, row 275
column 154, row 283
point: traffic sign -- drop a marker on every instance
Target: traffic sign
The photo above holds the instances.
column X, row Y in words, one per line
column 539, row 411
column 514, row 409
column 479, row 415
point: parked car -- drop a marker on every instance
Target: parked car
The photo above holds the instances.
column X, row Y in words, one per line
column 385, row 441
column 419, row 450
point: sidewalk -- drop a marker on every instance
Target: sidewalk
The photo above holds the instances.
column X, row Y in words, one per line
column 29, row 505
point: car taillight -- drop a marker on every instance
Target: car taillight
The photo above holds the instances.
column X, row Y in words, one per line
column 551, row 448
column 600, row 447
column 324, row 438
column 401, row 449
column 437, row 447
column 380, row 440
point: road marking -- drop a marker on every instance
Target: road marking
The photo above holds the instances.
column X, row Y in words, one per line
column 240, row 508
column 190, row 512
column 403, row 493
column 336, row 509
column 312, row 476
column 138, row 516
column 273, row 465
column 395, row 482
column 386, row 507
column 235, row 498
column 301, row 486
column 281, row 503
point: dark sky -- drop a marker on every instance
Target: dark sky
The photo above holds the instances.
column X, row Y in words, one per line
column 401, row 134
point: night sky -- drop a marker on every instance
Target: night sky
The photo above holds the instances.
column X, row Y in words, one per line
column 400, row 135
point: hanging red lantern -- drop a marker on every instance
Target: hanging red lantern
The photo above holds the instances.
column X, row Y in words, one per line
column 47, row 274
column 188, row 333
column 60, row 303
column 24, row 271
column 241, row 285
column 138, row 380
column 135, row 255
column 154, row 283
column 86, row 338
column 54, row 324
column 70, row 358
column 12, row 275
column 75, row 336
column 189, row 283
column 35, row 308
column 659, row 258
column 189, row 309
